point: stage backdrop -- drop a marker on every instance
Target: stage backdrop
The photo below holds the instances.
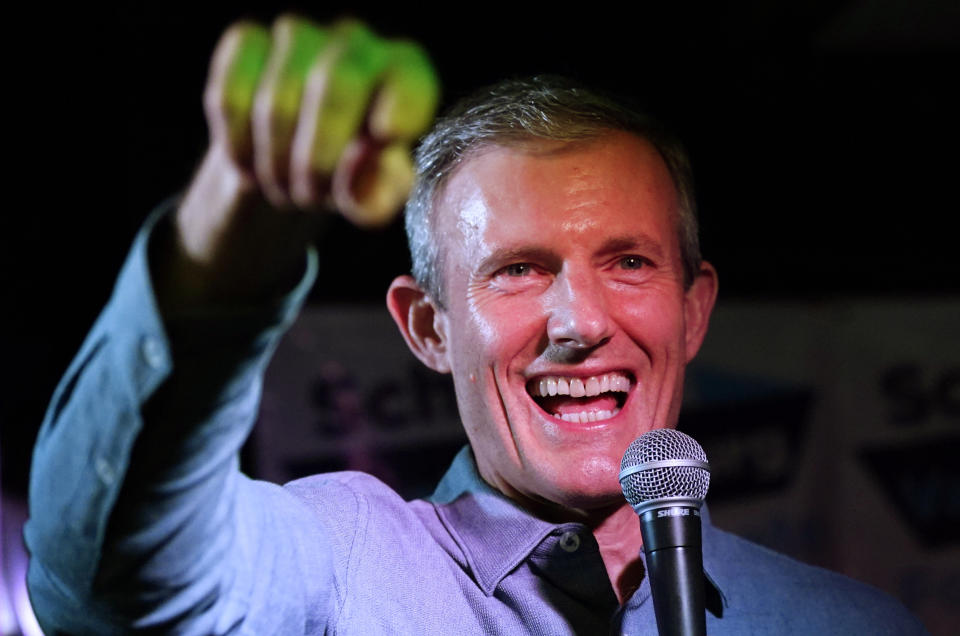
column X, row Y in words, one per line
column 832, row 428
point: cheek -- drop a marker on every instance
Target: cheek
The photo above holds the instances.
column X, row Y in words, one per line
column 653, row 320
column 499, row 328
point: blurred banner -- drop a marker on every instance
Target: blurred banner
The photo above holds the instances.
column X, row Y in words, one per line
column 833, row 429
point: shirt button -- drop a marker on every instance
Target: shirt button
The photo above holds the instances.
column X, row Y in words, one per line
column 105, row 471
column 152, row 351
column 570, row 541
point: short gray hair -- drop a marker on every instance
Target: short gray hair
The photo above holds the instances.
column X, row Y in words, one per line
column 521, row 110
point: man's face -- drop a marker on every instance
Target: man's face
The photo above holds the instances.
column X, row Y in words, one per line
column 567, row 325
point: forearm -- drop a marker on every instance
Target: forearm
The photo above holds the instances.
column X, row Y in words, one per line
column 135, row 487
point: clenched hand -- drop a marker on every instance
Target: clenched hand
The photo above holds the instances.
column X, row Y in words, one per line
column 303, row 119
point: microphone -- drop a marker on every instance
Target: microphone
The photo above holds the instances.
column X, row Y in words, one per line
column 664, row 476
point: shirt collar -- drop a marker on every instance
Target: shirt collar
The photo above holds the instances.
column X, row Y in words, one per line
column 496, row 534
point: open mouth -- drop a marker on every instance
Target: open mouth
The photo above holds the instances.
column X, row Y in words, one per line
column 581, row 400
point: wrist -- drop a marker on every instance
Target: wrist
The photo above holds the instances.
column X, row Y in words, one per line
column 228, row 246
column 219, row 193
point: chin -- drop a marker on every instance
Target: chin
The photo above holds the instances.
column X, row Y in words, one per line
column 591, row 485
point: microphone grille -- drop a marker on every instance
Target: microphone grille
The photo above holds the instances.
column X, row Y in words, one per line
column 664, row 444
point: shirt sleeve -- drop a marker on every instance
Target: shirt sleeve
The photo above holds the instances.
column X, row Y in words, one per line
column 140, row 517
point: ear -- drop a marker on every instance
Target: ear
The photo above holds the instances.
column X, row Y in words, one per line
column 422, row 324
column 698, row 305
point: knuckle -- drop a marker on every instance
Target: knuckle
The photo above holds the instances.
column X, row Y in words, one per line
column 289, row 20
column 239, row 29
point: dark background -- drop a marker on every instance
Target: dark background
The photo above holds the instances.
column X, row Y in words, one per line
column 823, row 137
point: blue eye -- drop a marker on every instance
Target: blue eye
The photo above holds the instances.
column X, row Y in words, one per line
column 632, row 262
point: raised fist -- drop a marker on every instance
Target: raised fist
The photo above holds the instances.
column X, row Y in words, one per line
column 303, row 119
column 321, row 116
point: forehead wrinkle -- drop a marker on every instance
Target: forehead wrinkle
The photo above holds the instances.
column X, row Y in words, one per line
column 579, row 225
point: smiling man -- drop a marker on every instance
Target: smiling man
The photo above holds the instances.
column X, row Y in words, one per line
column 556, row 276
column 563, row 308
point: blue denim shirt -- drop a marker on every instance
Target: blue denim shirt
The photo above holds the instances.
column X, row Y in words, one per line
column 140, row 518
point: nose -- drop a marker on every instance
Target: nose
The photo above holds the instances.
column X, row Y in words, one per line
column 578, row 314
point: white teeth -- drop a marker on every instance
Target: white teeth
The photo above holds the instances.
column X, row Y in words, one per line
column 580, row 387
column 592, row 387
column 584, row 417
column 616, row 382
column 576, row 388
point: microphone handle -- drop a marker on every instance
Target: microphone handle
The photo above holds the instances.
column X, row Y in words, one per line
column 674, row 559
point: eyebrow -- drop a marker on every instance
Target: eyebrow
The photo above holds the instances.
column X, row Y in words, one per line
column 641, row 243
column 646, row 245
